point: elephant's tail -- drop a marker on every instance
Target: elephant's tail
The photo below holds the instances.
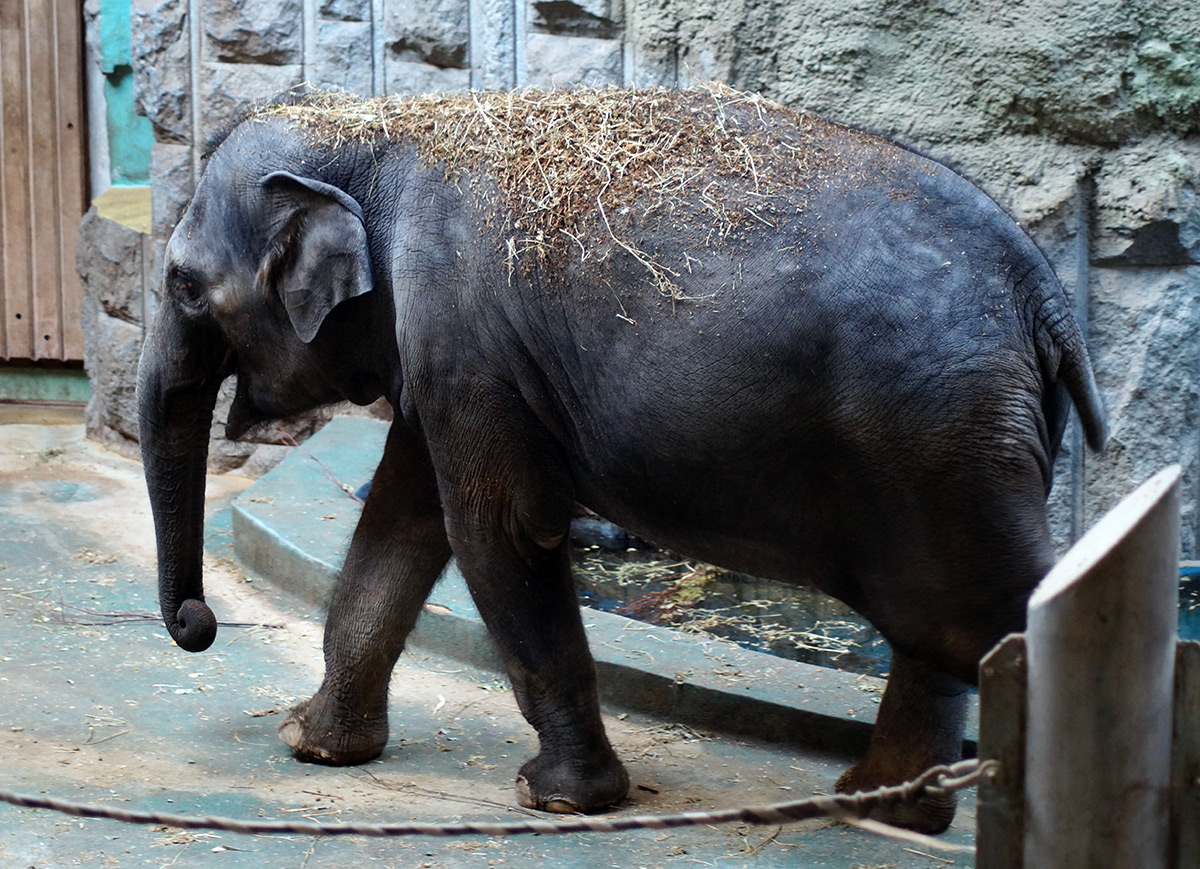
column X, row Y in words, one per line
column 1081, row 384
column 1064, row 359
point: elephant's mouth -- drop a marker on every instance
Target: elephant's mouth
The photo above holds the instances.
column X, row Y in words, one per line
column 243, row 414
column 254, row 406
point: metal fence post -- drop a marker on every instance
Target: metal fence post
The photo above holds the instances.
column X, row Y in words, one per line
column 1101, row 655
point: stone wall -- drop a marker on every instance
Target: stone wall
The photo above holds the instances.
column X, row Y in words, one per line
column 1083, row 120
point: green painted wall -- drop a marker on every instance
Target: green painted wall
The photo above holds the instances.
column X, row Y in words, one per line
column 114, row 35
column 129, row 134
column 44, row 384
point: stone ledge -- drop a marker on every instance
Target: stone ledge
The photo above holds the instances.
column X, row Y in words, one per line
column 293, row 525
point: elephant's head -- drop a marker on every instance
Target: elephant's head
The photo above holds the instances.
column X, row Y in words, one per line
column 253, row 277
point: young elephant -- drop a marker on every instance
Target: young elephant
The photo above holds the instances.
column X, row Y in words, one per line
column 770, row 342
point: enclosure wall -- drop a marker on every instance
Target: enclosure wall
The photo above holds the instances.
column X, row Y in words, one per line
column 1083, row 120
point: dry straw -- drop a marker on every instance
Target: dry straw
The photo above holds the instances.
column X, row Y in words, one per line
column 589, row 165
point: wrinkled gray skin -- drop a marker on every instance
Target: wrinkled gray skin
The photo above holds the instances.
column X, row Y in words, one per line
column 869, row 398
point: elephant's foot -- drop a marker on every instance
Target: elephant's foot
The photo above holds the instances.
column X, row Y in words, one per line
column 926, row 815
column 322, row 731
column 920, row 725
column 567, row 786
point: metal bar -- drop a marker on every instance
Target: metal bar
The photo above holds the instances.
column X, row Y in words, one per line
column 378, row 81
column 520, row 35
column 194, row 25
column 308, row 49
column 1084, row 194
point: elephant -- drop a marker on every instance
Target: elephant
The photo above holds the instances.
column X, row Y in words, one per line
column 774, row 343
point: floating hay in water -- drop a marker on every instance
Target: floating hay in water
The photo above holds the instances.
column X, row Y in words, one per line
column 701, row 599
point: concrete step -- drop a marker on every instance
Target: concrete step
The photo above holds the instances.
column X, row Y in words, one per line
column 293, row 527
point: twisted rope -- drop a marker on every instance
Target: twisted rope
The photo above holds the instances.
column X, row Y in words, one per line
column 935, row 782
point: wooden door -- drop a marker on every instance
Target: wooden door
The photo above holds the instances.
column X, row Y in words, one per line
column 42, row 187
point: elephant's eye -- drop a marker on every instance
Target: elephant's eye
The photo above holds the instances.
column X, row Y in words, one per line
column 186, row 290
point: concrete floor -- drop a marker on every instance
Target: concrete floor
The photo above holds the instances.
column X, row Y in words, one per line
column 102, row 707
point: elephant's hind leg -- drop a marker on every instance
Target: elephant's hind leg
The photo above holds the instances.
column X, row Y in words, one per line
column 530, row 608
column 508, row 515
column 920, row 724
column 397, row 553
column 970, row 564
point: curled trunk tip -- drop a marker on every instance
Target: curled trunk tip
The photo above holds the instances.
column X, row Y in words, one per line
column 194, row 626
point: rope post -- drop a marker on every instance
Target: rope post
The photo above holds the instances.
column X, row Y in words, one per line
column 1000, row 811
column 1186, row 755
column 1100, row 652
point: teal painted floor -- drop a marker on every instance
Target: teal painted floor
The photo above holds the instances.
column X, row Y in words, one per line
column 100, row 706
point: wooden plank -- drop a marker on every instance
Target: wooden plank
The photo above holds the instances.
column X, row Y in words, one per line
column 4, row 282
column 1100, row 646
column 5, row 76
column 14, row 221
column 43, row 192
column 1000, row 816
column 1185, row 757
column 42, row 178
column 72, row 174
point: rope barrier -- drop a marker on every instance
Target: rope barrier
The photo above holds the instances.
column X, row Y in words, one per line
column 936, row 782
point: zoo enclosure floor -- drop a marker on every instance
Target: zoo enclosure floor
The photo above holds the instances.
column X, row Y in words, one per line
column 100, row 706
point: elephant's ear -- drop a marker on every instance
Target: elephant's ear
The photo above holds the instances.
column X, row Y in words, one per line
column 319, row 258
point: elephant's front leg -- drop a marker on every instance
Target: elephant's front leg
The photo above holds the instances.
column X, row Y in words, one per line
column 397, row 553
column 920, row 724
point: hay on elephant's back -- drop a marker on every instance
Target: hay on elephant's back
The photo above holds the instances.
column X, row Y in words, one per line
column 571, row 164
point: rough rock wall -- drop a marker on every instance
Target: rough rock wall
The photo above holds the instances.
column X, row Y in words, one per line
column 111, row 260
column 1083, row 120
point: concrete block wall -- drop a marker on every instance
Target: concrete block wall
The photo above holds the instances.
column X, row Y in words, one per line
column 1082, row 120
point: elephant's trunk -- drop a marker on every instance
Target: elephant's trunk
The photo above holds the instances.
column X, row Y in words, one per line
column 180, row 372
